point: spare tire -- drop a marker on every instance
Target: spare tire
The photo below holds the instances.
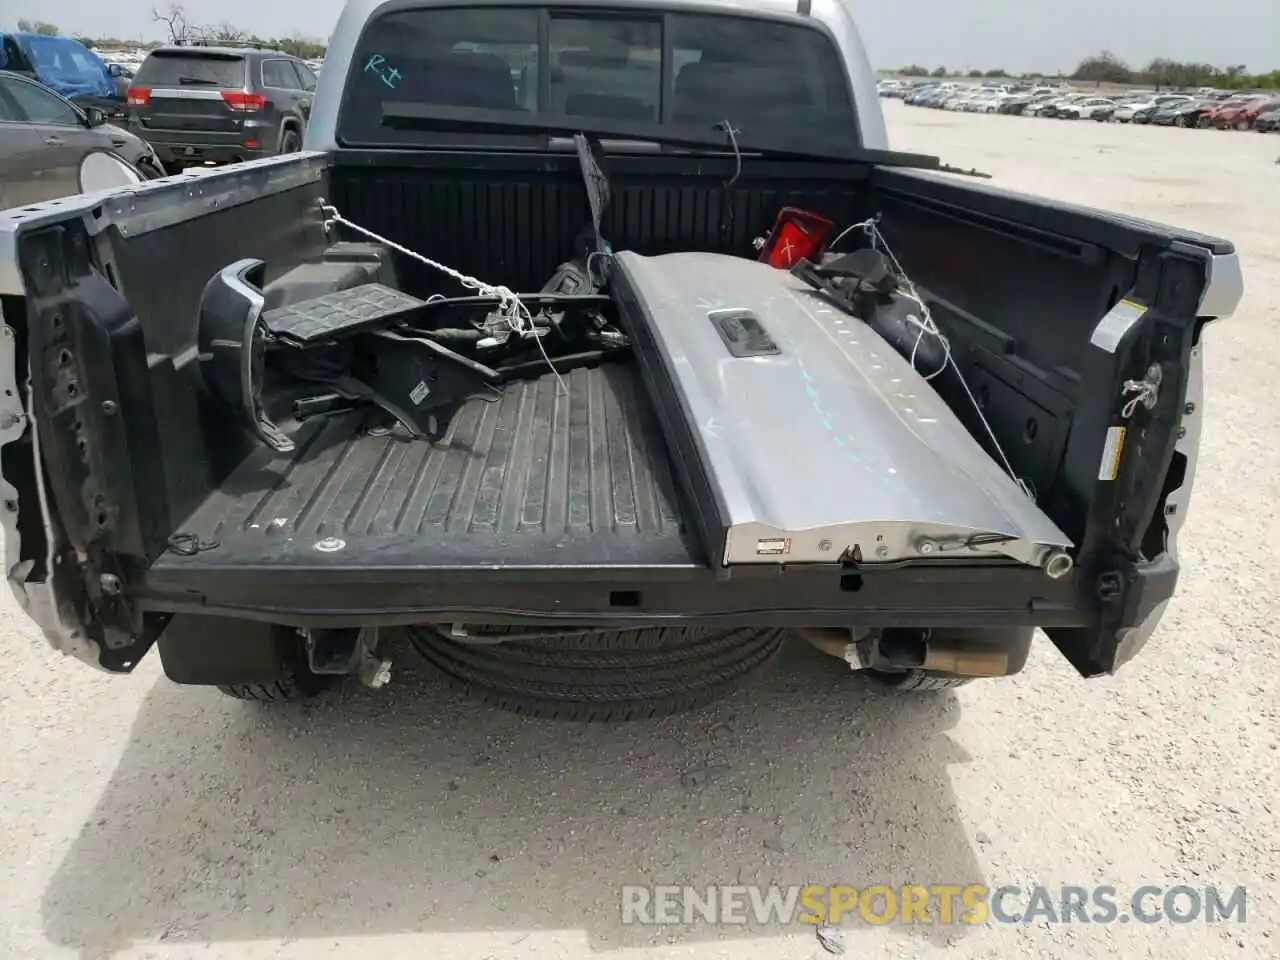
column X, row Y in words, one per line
column 597, row 675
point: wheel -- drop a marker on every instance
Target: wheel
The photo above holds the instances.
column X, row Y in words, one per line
column 599, row 676
column 1184, row 121
column 293, row 686
column 290, row 142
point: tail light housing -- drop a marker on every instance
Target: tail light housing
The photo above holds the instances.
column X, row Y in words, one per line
column 242, row 102
column 797, row 235
column 138, row 96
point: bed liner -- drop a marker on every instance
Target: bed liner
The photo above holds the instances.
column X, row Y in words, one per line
column 577, row 475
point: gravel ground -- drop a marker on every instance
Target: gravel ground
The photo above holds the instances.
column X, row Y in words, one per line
column 140, row 819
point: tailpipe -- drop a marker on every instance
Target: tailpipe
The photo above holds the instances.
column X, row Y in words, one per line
column 990, row 652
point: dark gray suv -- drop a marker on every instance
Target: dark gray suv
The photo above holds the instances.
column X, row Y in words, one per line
column 205, row 104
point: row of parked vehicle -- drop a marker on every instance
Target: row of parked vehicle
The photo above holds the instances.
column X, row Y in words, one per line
column 184, row 106
column 1222, row 110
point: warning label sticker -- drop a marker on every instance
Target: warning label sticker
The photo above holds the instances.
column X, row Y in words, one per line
column 775, row 547
column 1112, row 450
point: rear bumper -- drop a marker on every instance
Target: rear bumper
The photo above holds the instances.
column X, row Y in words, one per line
column 189, row 146
column 356, row 595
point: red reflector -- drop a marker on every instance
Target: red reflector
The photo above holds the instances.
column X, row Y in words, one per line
column 244, row 102
column 797, row 235
column 250, row 144
column 138, row 96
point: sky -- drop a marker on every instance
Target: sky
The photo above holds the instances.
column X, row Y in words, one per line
column 1017, row 35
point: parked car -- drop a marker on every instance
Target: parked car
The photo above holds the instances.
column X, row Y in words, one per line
column 1182, row 114
column 1241, row 114
column 1268, row 121
column 1052, row 107
column 45, row 136
column 571, row 543
column 1127, row 112
column 220, row 104
column 1026, row 104
column 65, row 66
column 1085, row 109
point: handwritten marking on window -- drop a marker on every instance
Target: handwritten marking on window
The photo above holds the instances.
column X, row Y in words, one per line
column 380, row 68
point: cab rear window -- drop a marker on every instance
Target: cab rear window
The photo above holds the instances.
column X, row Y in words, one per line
column 189, row 68
column 607, row 65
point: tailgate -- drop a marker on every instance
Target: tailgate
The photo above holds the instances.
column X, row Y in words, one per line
column 1079, row 333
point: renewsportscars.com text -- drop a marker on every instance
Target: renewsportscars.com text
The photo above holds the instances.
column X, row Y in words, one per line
column 935, row 904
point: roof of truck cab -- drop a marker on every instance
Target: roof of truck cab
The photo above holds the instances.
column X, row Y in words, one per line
column 834, row 17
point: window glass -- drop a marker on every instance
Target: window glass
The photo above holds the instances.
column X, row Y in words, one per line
column 305, row 75
column 755, row 73
column 279, row 75
column 192, row 68
column 39, row 105
column 608, row 68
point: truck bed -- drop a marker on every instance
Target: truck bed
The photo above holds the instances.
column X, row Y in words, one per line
column 580, row 476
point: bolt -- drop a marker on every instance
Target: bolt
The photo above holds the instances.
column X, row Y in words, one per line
column 925, row 546
column 1189, row 409
column 1182, row 432
column 110, row 584
column 824, row 545
column 1170, row 509
column 109, row 407
column 882, row 551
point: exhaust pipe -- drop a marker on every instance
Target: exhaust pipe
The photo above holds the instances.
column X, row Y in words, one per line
column 942, row 651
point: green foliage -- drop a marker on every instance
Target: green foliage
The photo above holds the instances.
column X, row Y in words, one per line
column 1163, row 72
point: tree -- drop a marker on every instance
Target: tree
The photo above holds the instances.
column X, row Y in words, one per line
column 174, row 18
column 1160, row 71
column 224, row 32
column 1106, row 67
column 44, row 29
column 24, row 26
column 975, row 73
column 941, row 72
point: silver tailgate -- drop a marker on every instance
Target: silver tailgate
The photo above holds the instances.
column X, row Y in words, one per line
column 828, row 442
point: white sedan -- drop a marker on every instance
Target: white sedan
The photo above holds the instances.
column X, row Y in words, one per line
column 1085, row 109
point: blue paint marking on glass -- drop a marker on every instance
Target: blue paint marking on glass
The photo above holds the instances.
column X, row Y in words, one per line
column 378, row 66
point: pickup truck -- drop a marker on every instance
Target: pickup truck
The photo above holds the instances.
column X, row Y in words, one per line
column 598, row 350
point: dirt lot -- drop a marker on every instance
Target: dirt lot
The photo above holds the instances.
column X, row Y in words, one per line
column 140, row 819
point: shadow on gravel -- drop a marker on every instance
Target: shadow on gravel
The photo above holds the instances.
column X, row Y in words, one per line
column 412, row 810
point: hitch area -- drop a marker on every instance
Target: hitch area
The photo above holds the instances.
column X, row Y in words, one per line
column 991, row 652
column 348, row 650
